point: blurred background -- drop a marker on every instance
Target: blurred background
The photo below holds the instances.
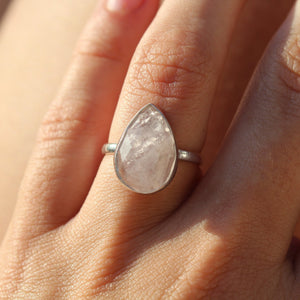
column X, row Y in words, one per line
column 3, row 6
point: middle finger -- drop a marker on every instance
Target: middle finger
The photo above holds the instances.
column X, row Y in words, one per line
column 255, row 180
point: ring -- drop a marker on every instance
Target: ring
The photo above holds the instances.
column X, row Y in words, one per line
column 146, row 157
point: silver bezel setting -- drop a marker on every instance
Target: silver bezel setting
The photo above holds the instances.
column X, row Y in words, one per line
column 175, row 165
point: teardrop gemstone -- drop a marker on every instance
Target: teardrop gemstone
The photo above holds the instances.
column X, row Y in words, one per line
column 146, row 156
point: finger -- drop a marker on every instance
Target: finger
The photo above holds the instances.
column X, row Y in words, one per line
column 256, row 25
column 257, row 176
column 68, row 150
column 176, row 67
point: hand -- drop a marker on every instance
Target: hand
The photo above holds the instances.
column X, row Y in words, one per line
column 77, row 232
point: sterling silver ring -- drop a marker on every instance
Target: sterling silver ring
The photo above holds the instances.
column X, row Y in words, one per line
column 146, row 156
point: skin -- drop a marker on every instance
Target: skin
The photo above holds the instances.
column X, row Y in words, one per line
column 18, row 39
column 39, row 87
column 228, row 235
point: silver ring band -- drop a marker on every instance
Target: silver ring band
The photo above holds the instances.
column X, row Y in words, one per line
column 181, row 154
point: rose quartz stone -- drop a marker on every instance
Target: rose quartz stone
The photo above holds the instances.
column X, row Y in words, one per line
column 146, row 157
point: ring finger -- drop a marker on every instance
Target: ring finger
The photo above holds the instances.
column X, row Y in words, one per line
column 176, row 67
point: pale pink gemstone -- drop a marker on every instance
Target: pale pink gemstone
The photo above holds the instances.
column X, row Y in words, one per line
column 146, row 158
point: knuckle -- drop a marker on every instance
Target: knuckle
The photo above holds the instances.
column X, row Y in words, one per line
column 205, row 273
column 169, row 68
column 101, row 46
column 88, row 48
column 290, row 63
column 218, row 274
column 285, row 84
column 64, row 122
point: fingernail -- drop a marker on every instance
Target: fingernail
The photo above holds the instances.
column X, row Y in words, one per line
column 123, row 6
